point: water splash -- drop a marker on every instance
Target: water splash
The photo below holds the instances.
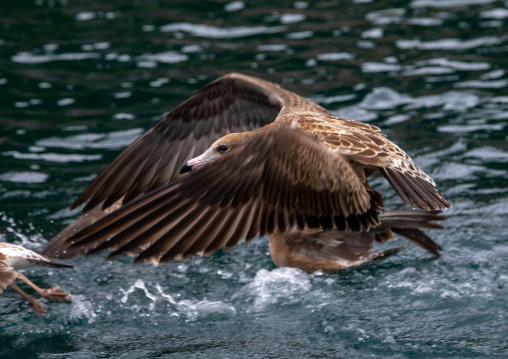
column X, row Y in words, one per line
column 82, row 309
column 279, row 286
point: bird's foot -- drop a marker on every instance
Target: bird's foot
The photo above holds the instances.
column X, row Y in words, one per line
column 56, row 293
column 36, row 305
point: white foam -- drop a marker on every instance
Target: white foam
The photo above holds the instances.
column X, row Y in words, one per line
column 81, row 309
column 21, row 104
column 424, row 21
column 374, row 33
column 335, row 56
column 24, row 177
column 397, row 119
column 28, row 58
column 116, row 139
column 459, row 171
column 148, row 28
column 124, row 116
column 371, row 66
column 332, row 99
column 488, row 154
column 457, row 65
column 482, row 84
column 356, row 112
column 138, row 284
column 272, row 47
column 451, row 100
column 234, row 6
column 292, row 18
column 497, row 13
column 387, row 16
column 449, row 44
column 281, row 285
column 65, row 101
column 428, row 70
column 194, row 309
column 213, row 32
column 301, row 5
column 187, row 49
column 51, row 157
column 168, row 57
column 492, row 75
column 300, row 35
column 85, row 16
column 448, row 3
column 384, row 98
column 205, row 309
column 469, row 128
column 124, row 94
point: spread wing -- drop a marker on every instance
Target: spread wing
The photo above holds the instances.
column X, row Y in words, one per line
column 279, row 180
column 56, row 247
column 366, row 145
column 232, row 103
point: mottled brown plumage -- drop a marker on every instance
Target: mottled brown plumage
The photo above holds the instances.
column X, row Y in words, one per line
column 13, row 257
column 293, row 165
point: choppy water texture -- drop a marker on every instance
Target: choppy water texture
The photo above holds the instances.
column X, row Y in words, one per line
column 80, row 80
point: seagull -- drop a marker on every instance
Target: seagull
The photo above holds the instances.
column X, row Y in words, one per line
column 242, row 158
column 14, row 257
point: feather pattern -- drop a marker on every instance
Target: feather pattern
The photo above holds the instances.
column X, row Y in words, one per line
column 293, row 164
column 161, row 221
column 241, row 103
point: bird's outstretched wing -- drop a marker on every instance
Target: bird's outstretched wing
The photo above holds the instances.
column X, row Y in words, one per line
column 281, row 179
column 232, row 103
column 366, row 145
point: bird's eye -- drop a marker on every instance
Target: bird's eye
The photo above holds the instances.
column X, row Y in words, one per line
column 223, row 148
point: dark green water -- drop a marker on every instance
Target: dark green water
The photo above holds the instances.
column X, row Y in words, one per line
column 80, row 80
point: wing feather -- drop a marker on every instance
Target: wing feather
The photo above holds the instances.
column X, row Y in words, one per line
column 169, row 222
column 367, row 147
column 232, row 103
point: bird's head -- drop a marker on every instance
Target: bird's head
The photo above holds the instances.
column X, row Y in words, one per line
column 222, row 147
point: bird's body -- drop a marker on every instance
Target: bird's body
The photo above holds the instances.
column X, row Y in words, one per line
column 19, row 257
column 271, row 163
column 13, row 258
column 315, row 249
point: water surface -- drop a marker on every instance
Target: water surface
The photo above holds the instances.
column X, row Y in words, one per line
column 79, row 81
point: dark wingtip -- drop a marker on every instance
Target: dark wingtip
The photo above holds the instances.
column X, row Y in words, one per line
column 388, row 253
column 67, row 266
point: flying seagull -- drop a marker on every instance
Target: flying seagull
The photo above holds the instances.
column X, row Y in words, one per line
column 261, row 160
column 14, row 257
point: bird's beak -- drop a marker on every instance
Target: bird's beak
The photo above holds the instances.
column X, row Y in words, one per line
column 185, row 168
column 192, row 164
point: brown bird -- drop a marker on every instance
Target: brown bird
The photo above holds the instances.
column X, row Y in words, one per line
column 275, row 162
column 316, row 249
column 13, row 257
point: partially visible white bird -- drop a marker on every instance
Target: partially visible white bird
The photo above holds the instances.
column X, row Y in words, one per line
column 13, row 257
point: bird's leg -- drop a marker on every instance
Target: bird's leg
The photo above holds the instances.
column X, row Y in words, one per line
column 51, row 293
column 38, row 307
